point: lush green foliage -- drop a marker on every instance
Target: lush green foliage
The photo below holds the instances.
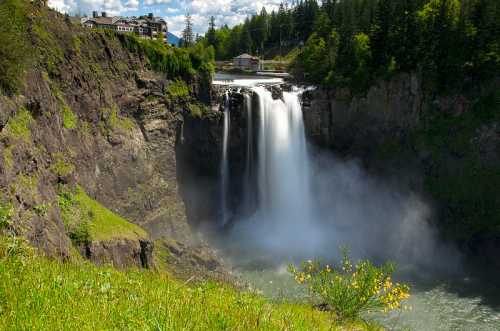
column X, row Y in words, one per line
column 86, row 219
column 41, row 294
column 178, row 89
column 265, row 32
column 61, row 166
column 5, row 215
column 70, row 120
column 14, row 54
column 111, row 120
column 176, row 62
column 197, row 109
column 352, row 290
column 455, row 44
column 18, row 126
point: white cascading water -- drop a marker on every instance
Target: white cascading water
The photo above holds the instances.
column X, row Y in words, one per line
column 284, row 211
column 225, row 163
column 283, row 172
column 300, row 210
column 249, row 157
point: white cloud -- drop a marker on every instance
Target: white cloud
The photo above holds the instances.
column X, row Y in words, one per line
column 230, row 12
column 112, row 7
column 132, row 4
column 155, row 2
column 172, row 10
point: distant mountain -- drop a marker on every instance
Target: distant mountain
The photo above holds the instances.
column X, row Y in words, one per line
column 173, row 39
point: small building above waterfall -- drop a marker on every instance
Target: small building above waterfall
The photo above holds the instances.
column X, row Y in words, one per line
column 247, row 62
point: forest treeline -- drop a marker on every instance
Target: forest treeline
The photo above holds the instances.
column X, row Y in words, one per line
column 452, row 43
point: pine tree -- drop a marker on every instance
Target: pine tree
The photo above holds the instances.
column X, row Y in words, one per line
column 380, row 35
column 211, row 35
column 187, row 34
column 404, row 35
column 246, row 39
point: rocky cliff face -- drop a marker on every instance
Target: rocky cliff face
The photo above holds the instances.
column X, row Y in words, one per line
column 447, row 148
column 336, row 118
column 199, row 153
column 103, row 120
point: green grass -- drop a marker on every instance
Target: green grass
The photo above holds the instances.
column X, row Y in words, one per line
column 113, row 121
column 41, row 294
column 24, row 182
column 18, row 126
column 60, row 167
column 8, row 158
column 175, row 62
column 15, row 46
column 70, row 120
column 87, row 219
column 5, row 215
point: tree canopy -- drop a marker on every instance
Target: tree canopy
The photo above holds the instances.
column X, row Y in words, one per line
column 453, row 43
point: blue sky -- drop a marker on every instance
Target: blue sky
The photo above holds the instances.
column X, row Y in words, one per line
column 229, row 12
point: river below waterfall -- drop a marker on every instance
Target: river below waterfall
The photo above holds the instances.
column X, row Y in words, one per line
column 302, row 207
column 461, row 304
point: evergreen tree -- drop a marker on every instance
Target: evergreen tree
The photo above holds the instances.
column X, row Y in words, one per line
column 211, row 35
column 351, row 42
column 246, row 39
column 380, row 35
column 187, row 34
column 404, row 39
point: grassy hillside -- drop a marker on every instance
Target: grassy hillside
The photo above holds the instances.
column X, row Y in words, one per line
column 86, row 219
column 41, row 294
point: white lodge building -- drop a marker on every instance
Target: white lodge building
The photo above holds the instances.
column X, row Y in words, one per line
column 247, row 62
column 144, row 26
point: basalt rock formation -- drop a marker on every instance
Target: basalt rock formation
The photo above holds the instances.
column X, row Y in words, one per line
column 103, row 122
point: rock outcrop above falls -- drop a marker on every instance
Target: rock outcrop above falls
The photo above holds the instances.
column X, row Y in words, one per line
column 336, row 118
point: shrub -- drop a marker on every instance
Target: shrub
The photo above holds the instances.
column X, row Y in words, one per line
column 112, row 120
column 195, row 110
column 42, row 209
column 18, row 126
column 174, row 62
column 352, row 290
column 60, row 167
column 178, row 90
column 70, row 119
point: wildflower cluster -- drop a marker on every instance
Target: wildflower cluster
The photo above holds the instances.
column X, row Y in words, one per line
column 351, row 290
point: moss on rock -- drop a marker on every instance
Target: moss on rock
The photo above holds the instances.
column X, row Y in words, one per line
column 18, row 127
column 86, row 219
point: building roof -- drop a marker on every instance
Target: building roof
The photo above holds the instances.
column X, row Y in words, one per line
column 244, row 56
column 104, row 20
column 141, row 22
column 247, row 56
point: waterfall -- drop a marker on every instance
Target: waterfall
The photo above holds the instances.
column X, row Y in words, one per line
column 225, row 165
column 249, row 195
column 288, row 205
column 282, row 171
column 248, row 107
